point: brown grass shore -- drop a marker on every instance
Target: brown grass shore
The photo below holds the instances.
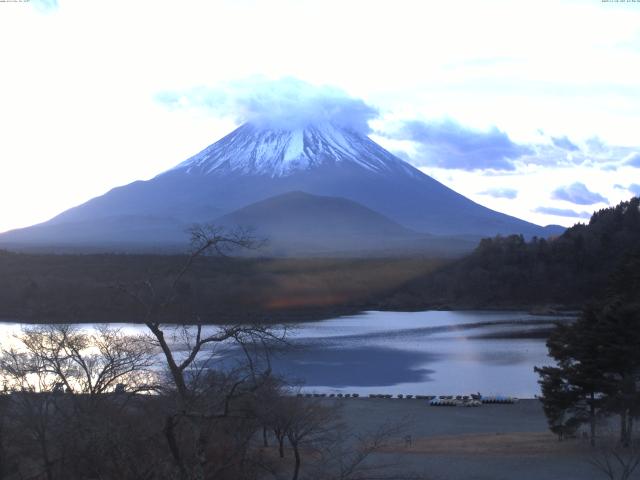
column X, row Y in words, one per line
column 44, row 288
column 490, row 442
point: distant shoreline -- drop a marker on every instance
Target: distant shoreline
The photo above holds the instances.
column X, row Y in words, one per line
column 293, row 317
column 90, row 289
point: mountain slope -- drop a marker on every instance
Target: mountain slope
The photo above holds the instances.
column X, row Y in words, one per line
column 299, row 214
column 299, row 223
column 122, row 233
column 252, row 164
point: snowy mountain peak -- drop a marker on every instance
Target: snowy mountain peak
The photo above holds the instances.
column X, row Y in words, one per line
column 255, row 150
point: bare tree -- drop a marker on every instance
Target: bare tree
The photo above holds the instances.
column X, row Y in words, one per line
column 91, row 362
column 204, row 391
column 329, row 448
column 614, row 460
column 56, row 375
column 351, row 456
column 308, row 424
column 272, row 410
column 33, row 413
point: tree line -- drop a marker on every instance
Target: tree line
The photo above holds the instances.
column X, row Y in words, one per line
column 510, row 272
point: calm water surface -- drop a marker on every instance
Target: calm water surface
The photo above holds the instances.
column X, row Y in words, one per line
column 433, row 352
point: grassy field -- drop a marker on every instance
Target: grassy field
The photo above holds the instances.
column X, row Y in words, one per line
column 491, row 442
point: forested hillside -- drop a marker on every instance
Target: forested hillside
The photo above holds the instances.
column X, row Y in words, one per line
column 509, row 272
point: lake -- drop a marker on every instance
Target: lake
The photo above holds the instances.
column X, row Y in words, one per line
column 428, row 353
column 433, row 352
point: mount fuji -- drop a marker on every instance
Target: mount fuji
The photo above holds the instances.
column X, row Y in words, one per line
column 254, row 163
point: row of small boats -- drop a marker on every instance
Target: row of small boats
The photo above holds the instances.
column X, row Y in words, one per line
column 473, row 401
column 329, row 395
column 440, row 401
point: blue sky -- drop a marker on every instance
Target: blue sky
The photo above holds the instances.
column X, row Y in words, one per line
column 531, row 108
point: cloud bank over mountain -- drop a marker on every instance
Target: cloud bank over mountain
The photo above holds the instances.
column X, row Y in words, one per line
column 287, row 103
column 447, row 144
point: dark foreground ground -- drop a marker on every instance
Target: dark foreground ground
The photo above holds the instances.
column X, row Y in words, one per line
column 491, row 442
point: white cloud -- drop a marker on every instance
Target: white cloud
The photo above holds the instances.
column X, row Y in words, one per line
column 578, row 193
column 635, row 189
column 562, row 212
column 283, row 103
column 447, row 144
column 510, row 193
column 564, row 143
column 633, row 160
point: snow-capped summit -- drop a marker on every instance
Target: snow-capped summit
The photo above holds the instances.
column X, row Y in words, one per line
column 256, row 150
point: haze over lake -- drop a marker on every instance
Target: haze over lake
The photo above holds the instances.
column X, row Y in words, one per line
column 431, row 352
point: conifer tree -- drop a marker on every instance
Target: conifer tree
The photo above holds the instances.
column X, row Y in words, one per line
column 598, row 361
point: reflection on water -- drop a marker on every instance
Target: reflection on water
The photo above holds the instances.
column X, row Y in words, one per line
column 421, row 353
column 430, row 352
column 353, row 366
